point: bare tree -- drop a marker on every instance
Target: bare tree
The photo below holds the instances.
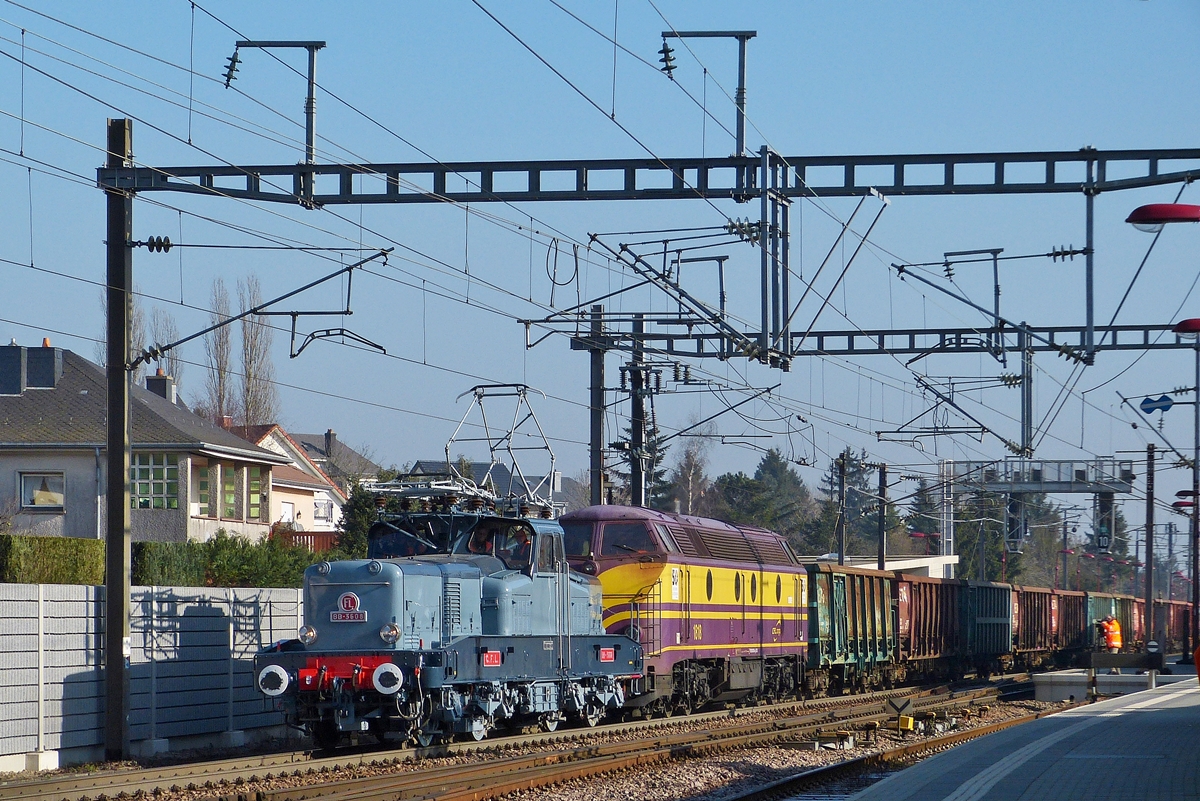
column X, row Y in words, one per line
column 164, row 331
column 137, row 333
column 216, row 400
column 576, row 491
column 689, row 481
column 259, row 401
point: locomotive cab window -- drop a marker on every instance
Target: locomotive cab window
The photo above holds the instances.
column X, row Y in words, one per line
column 621, row 539
column 388, row 541
column 549, row 552
column 577, row 539
column 514, row 546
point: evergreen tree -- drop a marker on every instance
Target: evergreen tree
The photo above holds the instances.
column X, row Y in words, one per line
column 775, row 498
column 735, row 497
column 862, row 488
column 786, row 504
column 924, row 515
column 658, row 485
column 922, row 523
column 358, row 515
column 979, row 524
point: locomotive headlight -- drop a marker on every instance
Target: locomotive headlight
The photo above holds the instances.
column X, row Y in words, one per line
column 389, row 633
column 387, row 678
column 307, row 635
column 273, row 680
column 374, row 566
column 323, row 568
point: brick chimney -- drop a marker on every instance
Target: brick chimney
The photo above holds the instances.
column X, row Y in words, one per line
column 162, row 385
column 330, row 441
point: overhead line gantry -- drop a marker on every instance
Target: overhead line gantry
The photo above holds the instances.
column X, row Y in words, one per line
column 768, row 177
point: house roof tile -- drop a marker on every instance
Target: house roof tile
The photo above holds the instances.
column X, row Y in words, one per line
column 74, row 413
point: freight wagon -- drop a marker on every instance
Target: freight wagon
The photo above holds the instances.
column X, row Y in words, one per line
column 852, row 644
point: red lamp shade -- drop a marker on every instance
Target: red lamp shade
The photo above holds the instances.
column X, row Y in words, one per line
column 1184, row 494
column 1188, row 329
column 1153, row 217
column 1182, row 505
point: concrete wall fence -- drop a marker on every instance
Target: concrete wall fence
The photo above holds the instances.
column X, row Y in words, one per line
column 191, row 669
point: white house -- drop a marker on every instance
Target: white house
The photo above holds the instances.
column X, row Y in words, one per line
column 302, row 495
column 189, row 477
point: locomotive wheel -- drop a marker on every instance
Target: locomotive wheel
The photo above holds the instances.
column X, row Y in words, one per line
column 592, row 714
column 549, row 723
column 424, row 739
column 326, row 735
column 474, row 735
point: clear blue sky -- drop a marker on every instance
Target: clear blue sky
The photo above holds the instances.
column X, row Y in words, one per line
column 824, row 79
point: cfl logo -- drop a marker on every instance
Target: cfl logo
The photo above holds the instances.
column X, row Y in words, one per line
column 348, row 602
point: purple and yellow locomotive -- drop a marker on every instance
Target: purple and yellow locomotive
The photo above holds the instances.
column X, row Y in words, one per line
column 721, row 611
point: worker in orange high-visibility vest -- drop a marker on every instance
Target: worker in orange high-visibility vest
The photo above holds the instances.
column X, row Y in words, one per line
column 1112, row 637
column 1112, row 634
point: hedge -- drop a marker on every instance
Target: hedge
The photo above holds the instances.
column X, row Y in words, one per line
column 51, row 560
column 223, row 561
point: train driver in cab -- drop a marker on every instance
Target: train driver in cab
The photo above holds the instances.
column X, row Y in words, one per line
column 518, row 548
column 482, row 541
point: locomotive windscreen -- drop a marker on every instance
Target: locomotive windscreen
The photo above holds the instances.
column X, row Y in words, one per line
column 577, row 539
column 417, row 535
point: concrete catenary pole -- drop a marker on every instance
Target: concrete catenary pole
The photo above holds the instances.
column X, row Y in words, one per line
column 841, row 507
column 596, row 408
column 882, row 556
column 1148, row 621
column 116, row 548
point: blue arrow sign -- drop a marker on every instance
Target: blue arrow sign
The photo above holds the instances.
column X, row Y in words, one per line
column 1160, row 404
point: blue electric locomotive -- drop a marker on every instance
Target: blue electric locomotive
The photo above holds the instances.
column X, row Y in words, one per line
column 461, row 620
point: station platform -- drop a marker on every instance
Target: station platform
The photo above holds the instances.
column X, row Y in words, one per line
column 1144, row 745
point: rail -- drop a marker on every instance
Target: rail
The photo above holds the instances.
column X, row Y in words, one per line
column 306, row 763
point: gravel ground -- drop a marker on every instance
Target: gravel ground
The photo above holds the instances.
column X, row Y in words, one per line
column 732, row 772
column 698, row 778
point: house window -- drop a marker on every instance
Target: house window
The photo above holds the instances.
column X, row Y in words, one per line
column 42, row 491
column 287, row 512
column 201, row 474
column 229, row 505
column 154, row 481
column 254, row 482
column 323, row 510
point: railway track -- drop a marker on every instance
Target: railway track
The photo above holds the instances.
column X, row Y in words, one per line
column 498, row 777
column 809, row 780
column 830, row 712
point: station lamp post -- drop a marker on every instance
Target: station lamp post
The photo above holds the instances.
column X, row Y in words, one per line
column 1151, row 218
column 1190, row 329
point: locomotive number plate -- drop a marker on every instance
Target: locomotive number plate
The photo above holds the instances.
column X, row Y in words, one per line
column 608, row 654
column 492, row 659
column 348, row 611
